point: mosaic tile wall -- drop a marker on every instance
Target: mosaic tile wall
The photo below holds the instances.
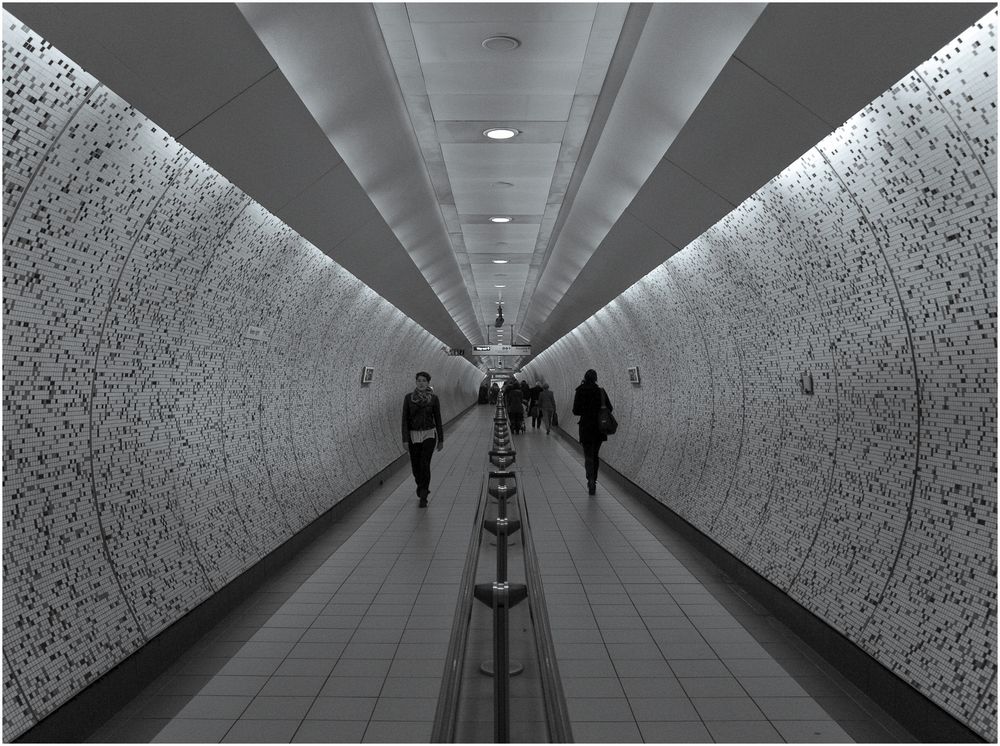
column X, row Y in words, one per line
column 870, row 263
column 152, row 450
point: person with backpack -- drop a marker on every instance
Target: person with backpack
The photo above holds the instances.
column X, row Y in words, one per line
column 587, row 404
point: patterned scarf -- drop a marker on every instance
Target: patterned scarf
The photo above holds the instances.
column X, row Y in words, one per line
column 421, row 397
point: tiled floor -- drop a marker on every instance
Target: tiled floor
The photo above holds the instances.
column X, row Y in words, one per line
column 347, row 644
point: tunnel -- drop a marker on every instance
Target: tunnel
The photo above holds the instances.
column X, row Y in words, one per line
column 240, row 238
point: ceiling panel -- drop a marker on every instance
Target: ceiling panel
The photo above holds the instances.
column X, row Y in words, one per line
column 517, row 12
column 250, row 123
column 487, row 77
column 676, row 205
column 744, row 119
column 547, row 41
column 477, row 195
column 332, row 209
column 162, row 58
column 500, row 159
column 516, row 238
column 793, row 43
column 472, row 131
column 501, row 106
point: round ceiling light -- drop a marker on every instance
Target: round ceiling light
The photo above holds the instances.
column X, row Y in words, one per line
column 500, row 219
column 499, row 286
column 500, row 261
column 501, row 43
column 501, row 133
column 502, row 185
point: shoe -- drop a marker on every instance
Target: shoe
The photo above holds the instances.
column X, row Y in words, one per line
column 591, row 488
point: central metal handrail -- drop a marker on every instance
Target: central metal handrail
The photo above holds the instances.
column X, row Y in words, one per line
column 556, row 712
column 501, row 596
column 444, row 716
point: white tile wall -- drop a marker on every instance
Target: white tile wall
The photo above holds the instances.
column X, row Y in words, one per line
column 871, row 262
column 152, row 451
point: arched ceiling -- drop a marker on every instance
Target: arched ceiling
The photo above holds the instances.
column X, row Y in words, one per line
column 362, row 127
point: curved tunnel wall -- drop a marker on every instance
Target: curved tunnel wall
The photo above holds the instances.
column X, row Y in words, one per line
column 870, row 263
column 153, row 450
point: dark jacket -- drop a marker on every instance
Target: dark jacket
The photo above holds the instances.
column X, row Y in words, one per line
column 515, row 400
column 535, row 391
column 422, row 417
column 547, row 400
column 586, row 404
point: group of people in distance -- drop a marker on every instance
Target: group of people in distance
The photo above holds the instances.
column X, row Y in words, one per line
column 423, row 432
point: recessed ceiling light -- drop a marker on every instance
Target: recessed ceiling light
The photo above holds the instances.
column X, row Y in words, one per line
column 502, row 185
column 499, row 286
column 501, row 133
column 500, row 219
column 499, row 261
column 501, row 43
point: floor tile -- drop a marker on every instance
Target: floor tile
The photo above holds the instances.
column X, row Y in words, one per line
column 681, row 732
column 791, row 708
column 816, row 731
column 606, row 733
column 261, row 731
column 193, row 731
column 713, row 686
column 411, row 686
column 130, row 731
column 727, row 708
column 604, row 709
column 234, row 685
column 292, row 686
column 306, row 667
column 277, row 708
column 398, row 732
column 653, row 709
column 743, row 731
column 629, row 668
column 361, row 668
column 405, row 709
column 330, row 731
column 250, row 667
column 342, row 708
column 602, row 686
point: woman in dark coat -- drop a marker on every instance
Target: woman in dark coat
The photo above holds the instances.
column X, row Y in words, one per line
column 422, row 431
column 586, row 405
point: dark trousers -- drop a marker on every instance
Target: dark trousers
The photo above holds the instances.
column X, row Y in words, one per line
column 536, row 418
column 420, row 461
column 590, row 459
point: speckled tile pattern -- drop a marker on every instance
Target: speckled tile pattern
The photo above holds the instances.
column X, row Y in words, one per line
column 871, row 264
column 153, row 450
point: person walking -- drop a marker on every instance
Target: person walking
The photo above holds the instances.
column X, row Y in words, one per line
column 422, row 432
column 533, row 409
column 515, row 409
column 547, row 406
column 586, row 405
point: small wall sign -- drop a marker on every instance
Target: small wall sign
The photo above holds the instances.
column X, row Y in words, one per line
column 367, row 375
column 255, row 332
column 633, row 376
column 806, row 383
